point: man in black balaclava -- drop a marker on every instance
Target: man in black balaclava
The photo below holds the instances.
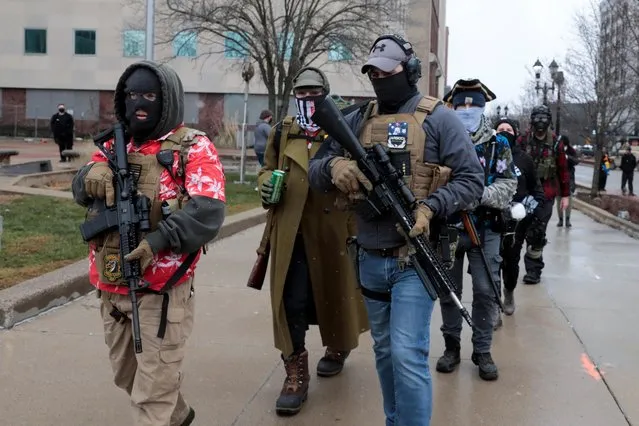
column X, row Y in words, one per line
column 143, row 103
column 62, row 129
column 424, row 139
column 182, row 177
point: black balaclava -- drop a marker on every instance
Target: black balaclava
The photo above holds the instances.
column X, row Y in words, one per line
column 142, row 81
column 393, row 91
column 512, row 139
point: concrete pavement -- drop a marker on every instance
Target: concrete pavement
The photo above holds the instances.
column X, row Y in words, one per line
column 54, row 369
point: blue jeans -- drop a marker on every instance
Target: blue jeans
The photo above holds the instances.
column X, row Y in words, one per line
column 260, row 158
column 401, row 336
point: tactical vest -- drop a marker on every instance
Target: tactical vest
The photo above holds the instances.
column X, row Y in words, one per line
column 544, row 157
column 107, row 256
column 405, row 138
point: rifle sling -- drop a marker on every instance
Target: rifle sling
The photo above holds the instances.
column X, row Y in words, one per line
column 179, row 273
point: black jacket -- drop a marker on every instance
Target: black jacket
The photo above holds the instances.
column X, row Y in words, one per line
column 528, row 182
column 62, row 126
column 628, row 163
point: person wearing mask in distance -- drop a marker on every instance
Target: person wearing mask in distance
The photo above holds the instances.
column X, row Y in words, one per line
column 425, row 139
column 553, row 171
column 469, row 98
column 149, row 102
column 312, row 280
column 530, row 193
column 573, row 160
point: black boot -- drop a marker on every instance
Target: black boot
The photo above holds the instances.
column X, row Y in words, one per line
column 332, row 362
column 295, row 389
column 509, row 302
column 560, row 222
column 568, row 224
column 451, row 358
column 487, row 367
column 189, row 419
column 531, row 278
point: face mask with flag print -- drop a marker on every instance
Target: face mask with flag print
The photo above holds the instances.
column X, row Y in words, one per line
column 305, row 110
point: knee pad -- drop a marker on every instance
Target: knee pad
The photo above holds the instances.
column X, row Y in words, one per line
column 534, row 252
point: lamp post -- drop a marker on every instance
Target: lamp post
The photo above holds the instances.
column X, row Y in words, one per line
column 150, row 29
column 499, row 111
column 247, row 74
column 557, row 80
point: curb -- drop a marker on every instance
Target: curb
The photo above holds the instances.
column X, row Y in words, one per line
column 56, row 288
column 604, row 217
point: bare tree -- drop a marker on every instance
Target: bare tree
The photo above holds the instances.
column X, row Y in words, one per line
column 592, row 65
column 279, row 36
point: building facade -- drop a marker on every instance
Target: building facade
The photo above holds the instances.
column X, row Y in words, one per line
column 73, row 52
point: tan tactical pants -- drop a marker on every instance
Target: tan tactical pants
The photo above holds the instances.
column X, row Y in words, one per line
column 153, row 377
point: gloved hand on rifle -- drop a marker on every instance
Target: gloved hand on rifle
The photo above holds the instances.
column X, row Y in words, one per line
column 98, row 183
column 144, row 253
column 423, row 216
column 347, row 176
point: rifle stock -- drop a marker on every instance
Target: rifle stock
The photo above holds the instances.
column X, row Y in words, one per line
column 470, row 228
column 390, row 195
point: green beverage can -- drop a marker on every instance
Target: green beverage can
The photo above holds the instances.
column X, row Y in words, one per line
column 277, row 179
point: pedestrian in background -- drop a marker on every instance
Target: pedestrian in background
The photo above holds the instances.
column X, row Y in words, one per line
column 628, row 164
column 62, row 130
column 573, row 160
column 260, row 134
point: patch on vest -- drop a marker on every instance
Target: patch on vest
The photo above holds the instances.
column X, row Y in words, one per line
column 397, row 135
column 112, row 268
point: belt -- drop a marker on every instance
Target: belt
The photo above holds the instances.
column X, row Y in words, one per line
column 387, row 252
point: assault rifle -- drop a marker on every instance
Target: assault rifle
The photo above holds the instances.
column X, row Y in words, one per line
column 390, row 195
column 129, row 215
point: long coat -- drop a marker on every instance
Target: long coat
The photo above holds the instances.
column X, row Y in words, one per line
column 341, row 314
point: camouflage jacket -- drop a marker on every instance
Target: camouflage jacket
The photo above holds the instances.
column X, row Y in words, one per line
column 500, row 172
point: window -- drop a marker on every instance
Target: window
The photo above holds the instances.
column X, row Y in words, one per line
column 35, row 41
column 84, row 42
column 339, row 52
column 134, row 43
column 185, row 44
column 288, row 48
column 234, row 45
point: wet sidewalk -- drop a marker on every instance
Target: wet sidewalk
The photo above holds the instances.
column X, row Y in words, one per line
column 568, row 357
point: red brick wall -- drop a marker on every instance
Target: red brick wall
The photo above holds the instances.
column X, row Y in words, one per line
column 13, row 106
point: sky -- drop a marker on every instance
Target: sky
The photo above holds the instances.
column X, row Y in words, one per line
column 498, row 41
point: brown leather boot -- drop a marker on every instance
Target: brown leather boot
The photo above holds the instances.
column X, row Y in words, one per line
column 332, row 362
column 295, row 388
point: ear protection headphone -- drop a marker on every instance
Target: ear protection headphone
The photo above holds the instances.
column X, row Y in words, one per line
column 326, row 86
column 413, row 66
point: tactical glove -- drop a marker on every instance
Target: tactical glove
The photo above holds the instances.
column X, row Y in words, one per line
column 347, row 176
column 266, row 191
column 144, row 253
column 98, row 183
column 422, row 215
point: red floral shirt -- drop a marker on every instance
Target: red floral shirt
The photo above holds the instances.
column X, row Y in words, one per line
column 204, row 176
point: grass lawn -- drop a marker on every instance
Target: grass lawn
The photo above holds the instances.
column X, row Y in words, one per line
column 41, row 233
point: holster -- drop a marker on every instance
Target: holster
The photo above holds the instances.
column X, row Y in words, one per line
column 446, row 240
column 352, row 248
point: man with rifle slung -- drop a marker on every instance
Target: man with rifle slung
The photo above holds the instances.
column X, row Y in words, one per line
column 156, row 197
column 401, row 131
column 480, row 232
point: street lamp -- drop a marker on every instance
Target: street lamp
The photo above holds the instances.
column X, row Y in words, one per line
column 557, row 79
column 247, row 74
column 499, row 111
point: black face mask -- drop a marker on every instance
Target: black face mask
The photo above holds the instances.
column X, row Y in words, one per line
column 61, row 109
column 510, row 137
column 144, row 94
column 393, row 91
